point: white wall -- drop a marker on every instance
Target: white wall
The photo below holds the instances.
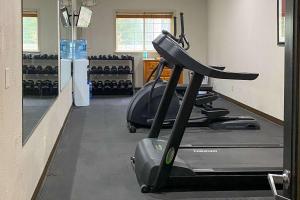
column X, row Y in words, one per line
column 242, row 35
column 101, row 33
column 21, row 166
column 48, row 37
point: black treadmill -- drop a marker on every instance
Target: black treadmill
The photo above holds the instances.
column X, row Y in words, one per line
column 161, row 164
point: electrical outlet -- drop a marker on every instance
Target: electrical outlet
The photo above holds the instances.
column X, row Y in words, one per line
column 7, row 78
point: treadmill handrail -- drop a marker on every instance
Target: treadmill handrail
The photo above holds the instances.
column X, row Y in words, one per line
column 175, row 54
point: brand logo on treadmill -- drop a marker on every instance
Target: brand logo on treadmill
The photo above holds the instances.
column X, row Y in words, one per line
column 205, row 151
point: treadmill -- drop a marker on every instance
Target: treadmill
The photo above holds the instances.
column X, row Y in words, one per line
column 161, row 164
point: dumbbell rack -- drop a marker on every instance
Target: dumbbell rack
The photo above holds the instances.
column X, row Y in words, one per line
column 53, row 77
column 112, row 76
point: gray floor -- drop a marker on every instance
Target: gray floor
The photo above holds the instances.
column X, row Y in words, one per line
column 34, row 108
column 92, row 159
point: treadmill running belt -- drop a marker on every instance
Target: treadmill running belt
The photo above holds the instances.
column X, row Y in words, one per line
column 232, row 159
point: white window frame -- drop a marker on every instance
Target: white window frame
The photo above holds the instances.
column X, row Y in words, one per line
column 26, row 13
column 135, row 13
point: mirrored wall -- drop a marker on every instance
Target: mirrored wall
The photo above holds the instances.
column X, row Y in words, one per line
column 40, row 61
column 65, row 27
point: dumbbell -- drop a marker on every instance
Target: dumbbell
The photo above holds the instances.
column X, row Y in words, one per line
column 114, row 85
column 106, row 70
column 109, row 57
column 121, row 70
column 54, row 89
column 93, row 70
column 31, row 69
column 127, row 69
column 39, row 70
column 55, row 57
column 44, row 56
column 100, row 70
column 37, row 56
column 28, row 56
column 107, row 85
column 114, row 70
column 56, row 70
column 51, row 57
column 29, row 87
column 104, row 57
column 25, row 69
column 24, row 82
column 121, row 85
column 36, row 90
column 115, row 57
column 128, row 84
column 94, row 87
column 46, row 87
column 49, row 70
column 100, row 87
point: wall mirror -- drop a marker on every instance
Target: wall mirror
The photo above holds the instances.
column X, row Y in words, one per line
column 65, row 27
column 40, row 61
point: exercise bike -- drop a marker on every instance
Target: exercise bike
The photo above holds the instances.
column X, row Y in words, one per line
column 144, row 104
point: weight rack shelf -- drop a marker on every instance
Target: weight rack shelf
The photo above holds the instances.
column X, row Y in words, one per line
column 40, row 75
column 111, row 83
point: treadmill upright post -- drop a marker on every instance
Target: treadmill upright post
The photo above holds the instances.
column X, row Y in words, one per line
column 165, row 102
column 178, row 130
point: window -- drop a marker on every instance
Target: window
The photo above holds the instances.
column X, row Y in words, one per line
column 135, row 32
column 30, row 31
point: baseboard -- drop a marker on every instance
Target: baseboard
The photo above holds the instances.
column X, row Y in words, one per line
column 253, row 110
column 44, row 174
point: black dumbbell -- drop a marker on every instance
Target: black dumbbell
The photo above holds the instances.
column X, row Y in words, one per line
column 106, row 70
column 115, row 57
column 51, row 57
column 37, row 56
column 54, row 89
column 44, row 56
column 45, row 88
column 127, row 69
column 37, row 88
column 128, row 84
column 107, row 85
column 29, row 87
column 49, row 70
column 114, row 70
column 100, row 87
column 100, row 70
column 104, row 57
column 31, row 69
column 39, row 70
column 94, row 87
column 121, row 85
column 25, row 69
column 56, row 70
column 55, row 57
column 121, row 70
column 109, row 57
column 93, row 70
column 114, row 85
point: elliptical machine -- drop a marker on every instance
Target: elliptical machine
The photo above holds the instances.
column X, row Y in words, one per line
column 145, row 102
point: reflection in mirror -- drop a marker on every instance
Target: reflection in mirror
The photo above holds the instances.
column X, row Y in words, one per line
column 65, row 43
column 40, row 61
